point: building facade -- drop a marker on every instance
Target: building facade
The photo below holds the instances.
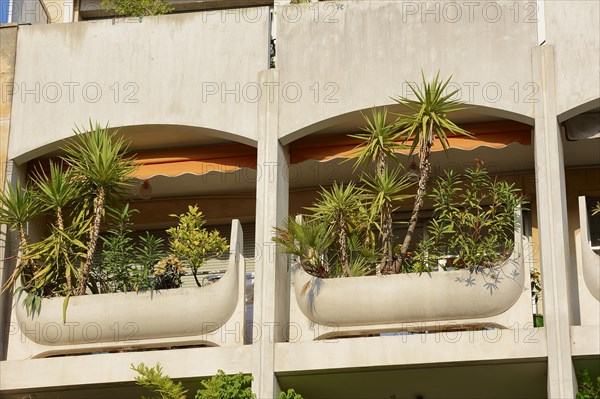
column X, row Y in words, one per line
column 244, row 107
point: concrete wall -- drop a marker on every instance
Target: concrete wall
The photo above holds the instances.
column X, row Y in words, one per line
column 8, row 38
column 350, row 55
column 569, row 25
column 67, row 74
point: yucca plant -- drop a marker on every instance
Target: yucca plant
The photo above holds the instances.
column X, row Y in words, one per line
column 383, row 192
column 17, row 207
column 56, row 190
column 380, row 145
column 339, row 208
column 57, row 257
column 426, row 122
column 380, row 142
column 97, row 158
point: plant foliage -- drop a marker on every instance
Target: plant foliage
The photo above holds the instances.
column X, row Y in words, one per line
column 426, row 121
column 219, row 386
column 189, row 240
column 473, row 221
column 154, row 380
column 138, row 8
column 587, row 388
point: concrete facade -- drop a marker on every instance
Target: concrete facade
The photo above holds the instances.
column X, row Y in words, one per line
column 203, row 78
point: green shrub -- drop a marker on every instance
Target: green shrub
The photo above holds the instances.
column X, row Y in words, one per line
column 137, row 8
column 586, row 388
column 473, row 222
column 220, row 386
column 190, row 241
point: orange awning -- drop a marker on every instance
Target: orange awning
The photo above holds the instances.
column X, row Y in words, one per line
column 489, row 134
column 195, row 160
column 176, row 162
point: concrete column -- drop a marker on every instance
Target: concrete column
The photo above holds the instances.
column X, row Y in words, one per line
column 271, row 288
column 553, row 227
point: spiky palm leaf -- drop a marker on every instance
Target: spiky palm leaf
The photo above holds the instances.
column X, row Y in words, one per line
column 97, row 158
column 18, row 206
column 380, row 141
column 56, row 190
column 384, row 191
column 429, row 118
column 339, row 208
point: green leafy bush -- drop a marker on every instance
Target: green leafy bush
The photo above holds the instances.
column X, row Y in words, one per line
column 586, row 387
column 473, row 222
column 220, row 386
column 154, row 380
column 126, row 266
column 190, row 241
column 237, row 386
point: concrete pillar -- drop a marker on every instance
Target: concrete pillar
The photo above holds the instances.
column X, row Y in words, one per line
column 553, row 227
column 271, row 288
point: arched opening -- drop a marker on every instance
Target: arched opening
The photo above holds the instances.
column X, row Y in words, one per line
column 580, row 135
column 504, row 147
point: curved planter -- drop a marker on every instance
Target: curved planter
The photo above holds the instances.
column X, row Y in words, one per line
column 103, row 318
column 413, row 297
column 590, row 259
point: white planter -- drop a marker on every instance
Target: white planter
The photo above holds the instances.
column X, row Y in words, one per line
column 383, row 303
column 185, row 315
column 589, row 259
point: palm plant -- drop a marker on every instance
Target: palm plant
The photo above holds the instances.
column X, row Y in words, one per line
column 55, row 191
column 309, row 241
column 339, row 208
column 379, row 143
column 427, row 121
column 17, row 207
column 382, row 191
column 97, row 158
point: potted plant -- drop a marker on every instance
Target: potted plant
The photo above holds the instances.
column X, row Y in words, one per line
column 486, row 276
column 479, row 226
column 131, row 284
